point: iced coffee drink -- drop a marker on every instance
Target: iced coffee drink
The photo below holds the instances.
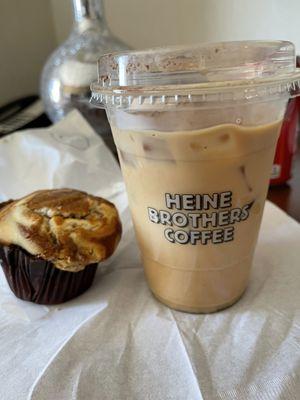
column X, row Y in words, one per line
column 196, row 154
column 196, row 199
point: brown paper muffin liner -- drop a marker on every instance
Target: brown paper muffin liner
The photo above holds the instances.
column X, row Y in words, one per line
column 39, row 281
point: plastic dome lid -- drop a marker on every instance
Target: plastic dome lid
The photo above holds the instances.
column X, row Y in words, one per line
column 226, row 71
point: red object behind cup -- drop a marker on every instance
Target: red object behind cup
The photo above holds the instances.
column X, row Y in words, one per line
column 287, row 144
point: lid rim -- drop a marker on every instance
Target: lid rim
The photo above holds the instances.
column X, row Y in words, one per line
column 288, row 79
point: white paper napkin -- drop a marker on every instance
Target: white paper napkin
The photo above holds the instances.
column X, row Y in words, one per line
column 116, row 342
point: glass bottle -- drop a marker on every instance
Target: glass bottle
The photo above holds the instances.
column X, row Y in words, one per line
column 68, row 73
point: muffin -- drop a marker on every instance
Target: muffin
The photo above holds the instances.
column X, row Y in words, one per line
column 51, row 242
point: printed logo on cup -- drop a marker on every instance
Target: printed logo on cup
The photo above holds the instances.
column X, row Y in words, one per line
column 200, row 227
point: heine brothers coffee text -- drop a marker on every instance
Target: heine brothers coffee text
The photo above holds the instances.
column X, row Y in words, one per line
column 200, row 227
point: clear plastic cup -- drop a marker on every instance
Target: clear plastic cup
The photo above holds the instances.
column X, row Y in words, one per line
column 196, row 129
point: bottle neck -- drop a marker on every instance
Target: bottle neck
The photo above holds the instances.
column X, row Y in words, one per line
column 88, row 14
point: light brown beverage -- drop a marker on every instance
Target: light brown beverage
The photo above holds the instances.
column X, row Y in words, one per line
column 196, row 199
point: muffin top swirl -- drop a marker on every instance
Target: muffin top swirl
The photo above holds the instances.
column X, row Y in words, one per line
column 70, row 228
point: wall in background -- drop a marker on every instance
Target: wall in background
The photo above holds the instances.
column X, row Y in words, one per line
column 26, row 39
column 146, row 23
column 29, row 30
column 62, row 18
